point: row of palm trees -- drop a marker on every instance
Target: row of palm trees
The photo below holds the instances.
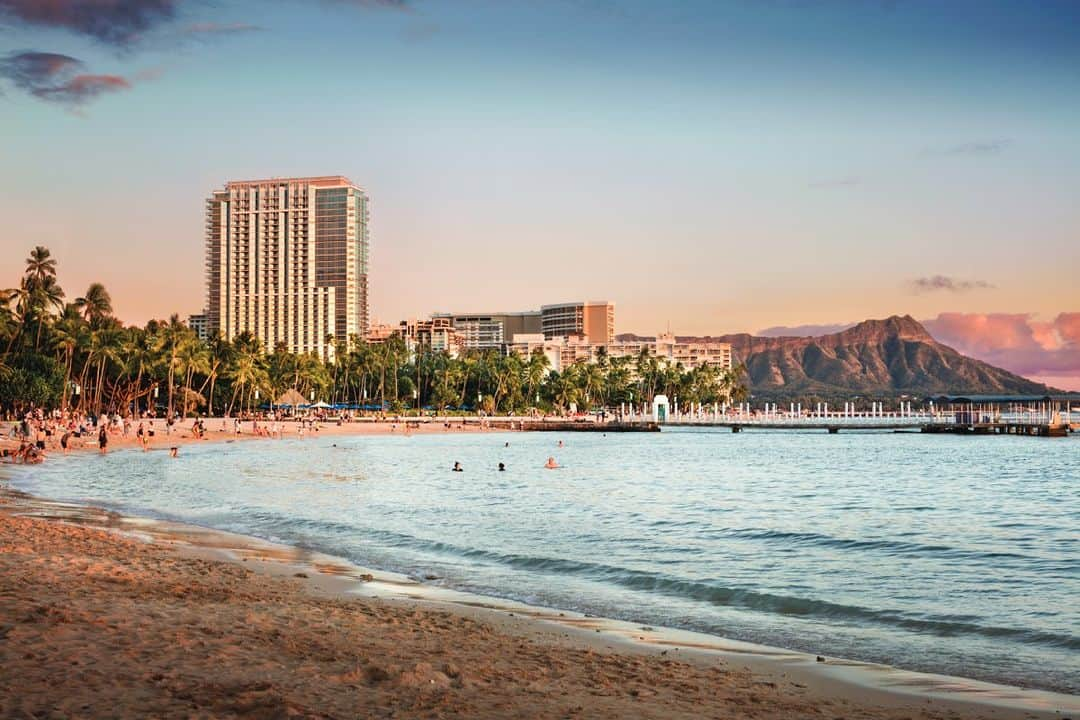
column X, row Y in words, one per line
column 77, row 355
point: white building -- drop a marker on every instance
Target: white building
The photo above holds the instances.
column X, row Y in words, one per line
column 563, row 352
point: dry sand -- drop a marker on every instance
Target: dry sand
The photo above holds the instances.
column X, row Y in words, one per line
column 99, row 624
column 181, row 434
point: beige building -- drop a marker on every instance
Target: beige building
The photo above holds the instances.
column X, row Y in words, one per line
column 563, row 352
column 593, row 321
column 484, row 331
column 436, row 334
column 287, row 260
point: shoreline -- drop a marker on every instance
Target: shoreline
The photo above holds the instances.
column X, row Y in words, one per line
column 836, row 680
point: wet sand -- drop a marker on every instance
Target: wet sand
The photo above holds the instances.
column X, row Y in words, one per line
column 104, row 616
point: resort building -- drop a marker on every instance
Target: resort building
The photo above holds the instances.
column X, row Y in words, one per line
column 691, row 353
column 199, row 325
column 287, row 260
column 563, row 352
column 491, row 331
column 437, row 334
column 594, row 321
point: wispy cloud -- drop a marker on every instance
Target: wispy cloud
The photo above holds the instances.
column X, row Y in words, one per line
column 114, row 22
column 57, row 78
column 938, row 283
column 804, row 330
column 212, row 28
column 974, row 148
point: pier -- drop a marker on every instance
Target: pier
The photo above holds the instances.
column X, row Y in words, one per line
column 1034, row 416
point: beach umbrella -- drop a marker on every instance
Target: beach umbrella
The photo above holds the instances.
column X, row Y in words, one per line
column 291, row 398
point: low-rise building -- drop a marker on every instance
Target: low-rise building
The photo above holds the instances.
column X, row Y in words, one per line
column 563, row 352
column 491, row 331
column 200, row 325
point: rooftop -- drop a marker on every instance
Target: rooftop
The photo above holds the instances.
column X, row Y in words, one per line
column 321, row 180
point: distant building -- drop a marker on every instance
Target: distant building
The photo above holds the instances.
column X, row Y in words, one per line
column 437, row 334
column 563, row 352
column 380, row 333
column 666, row 346
column 487, row 331
column 199, row 324
column 287, row 260
column 594, row 321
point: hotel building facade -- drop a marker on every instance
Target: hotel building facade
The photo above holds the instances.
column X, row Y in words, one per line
column 593, row 321
column 287, row 260
column 491, row 331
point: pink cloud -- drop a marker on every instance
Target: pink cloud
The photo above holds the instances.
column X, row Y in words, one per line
column 1046, row 350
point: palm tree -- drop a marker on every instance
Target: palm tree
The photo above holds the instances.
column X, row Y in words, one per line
column 39, row 298
column 247, row 370
column 220, row 354
column 194, row 357
column 70, row 333
column 535, row 372
column 105, row 347
column 40, row 265
column 96, row 304
column 170, row 344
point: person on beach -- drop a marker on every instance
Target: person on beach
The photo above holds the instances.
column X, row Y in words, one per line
column 33, row 455
column 551, row 464
column 103, row 440
column 457, row 467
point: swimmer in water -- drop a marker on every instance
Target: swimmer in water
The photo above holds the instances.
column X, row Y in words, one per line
column 551, row 464
column 457, row 467
column 560, row 443
column 502, row 467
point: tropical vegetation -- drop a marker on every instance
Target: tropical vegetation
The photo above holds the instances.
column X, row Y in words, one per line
column 74, row 354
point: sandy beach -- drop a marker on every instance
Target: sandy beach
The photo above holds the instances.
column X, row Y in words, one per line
column 222, row 430
column 97, row 621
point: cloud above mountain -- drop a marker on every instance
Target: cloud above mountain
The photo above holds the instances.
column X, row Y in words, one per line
column 1047, row 350
column 944, row 283
column 803, row 330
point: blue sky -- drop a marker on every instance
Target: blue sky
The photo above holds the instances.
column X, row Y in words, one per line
column 725, row 165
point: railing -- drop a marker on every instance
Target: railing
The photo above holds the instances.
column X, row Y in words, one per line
column 878, row 417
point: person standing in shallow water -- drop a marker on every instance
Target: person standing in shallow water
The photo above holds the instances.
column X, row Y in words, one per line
column 103, row 440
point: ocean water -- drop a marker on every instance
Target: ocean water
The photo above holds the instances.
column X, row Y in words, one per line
column 955, row 555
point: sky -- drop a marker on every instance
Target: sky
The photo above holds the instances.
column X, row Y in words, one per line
column 710, row 166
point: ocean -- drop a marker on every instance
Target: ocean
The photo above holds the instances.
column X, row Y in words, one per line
column 944, row 554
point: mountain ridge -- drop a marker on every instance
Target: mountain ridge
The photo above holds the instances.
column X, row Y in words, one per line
column 890, row 356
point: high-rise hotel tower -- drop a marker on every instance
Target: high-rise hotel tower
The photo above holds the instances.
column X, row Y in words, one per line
column 287, row 260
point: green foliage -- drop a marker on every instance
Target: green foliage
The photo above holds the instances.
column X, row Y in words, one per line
column 31, row 380
column 57, row 354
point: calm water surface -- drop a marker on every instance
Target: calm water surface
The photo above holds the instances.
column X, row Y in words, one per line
column 955, row 555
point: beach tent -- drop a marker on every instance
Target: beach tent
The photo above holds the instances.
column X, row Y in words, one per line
column 321, row 405
column 290, row 398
